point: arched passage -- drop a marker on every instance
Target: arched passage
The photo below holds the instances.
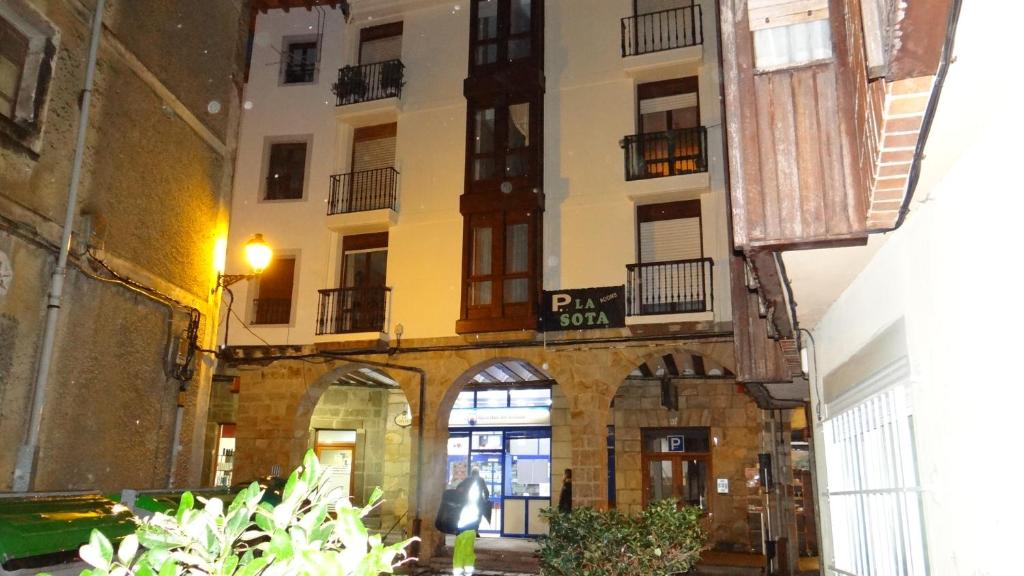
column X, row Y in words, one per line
column 680, row 428
column 509, row 419
column 359, row 421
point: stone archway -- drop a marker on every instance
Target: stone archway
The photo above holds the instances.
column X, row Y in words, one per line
column 681, row 389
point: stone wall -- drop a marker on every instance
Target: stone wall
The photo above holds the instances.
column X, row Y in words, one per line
column 156, row 172
column 734, row 423
column 363, row 410
column 278, row 399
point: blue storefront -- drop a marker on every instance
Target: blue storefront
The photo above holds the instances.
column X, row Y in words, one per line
column 505, row 432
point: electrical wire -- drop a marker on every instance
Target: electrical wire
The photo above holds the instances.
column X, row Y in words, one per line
column 814, row 381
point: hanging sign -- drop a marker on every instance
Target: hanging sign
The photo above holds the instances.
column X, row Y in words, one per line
column 584, row 309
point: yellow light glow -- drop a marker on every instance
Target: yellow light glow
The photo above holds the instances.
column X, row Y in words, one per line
column 220, row 254
column 258, row 253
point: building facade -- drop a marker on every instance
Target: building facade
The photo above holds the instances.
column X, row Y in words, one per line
column 125, row 403
column 501, row 241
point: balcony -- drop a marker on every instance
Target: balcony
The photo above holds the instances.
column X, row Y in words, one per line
column 271, row 311
column 363, row 202
column 656, row 42
column 667, row 288
column 351, row 310
column 663, row 30
column 370, row 93
column 670, row 153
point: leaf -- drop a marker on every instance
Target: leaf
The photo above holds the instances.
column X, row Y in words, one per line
column 143, row 569
column 215, row 507
column 184, row 504
column 281, row 545
column 253, row 568
column 264, row 517
column 129, row 546
column 168, row 568
column 229, row 566
column 289, row 486
column 310, row 468
column 98, row 552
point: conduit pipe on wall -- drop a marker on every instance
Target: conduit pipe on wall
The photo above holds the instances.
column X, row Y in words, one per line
column 24, row 470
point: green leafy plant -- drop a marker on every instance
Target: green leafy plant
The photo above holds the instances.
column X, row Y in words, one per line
column 314, row 530
column 661, row 541
column 351, row 86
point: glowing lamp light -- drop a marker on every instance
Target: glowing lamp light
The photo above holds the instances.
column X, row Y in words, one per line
column 258, row 254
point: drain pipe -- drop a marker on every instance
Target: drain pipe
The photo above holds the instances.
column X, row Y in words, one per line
column 417, row 521
column 24, row 471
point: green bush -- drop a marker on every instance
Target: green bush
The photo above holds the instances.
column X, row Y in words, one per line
column 298, row 536
column 662, row 540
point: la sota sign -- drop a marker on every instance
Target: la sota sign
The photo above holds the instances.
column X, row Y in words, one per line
column 584, row 309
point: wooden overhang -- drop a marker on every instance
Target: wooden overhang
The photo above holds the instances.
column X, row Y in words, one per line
column 286, row 5
column 820, row 154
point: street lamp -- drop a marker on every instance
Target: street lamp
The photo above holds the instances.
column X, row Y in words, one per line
column 257, row 253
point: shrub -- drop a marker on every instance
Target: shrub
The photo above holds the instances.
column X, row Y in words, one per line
column 662, row 540
column 301, row 535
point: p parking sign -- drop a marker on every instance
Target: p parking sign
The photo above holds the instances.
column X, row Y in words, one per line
column 677, row 444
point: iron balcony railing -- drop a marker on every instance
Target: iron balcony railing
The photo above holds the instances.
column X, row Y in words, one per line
column 675, row 287
column 365, row 190
column 663, row 30
column 368, row 82
column 272, row 311
column 344, row 310
column 670, row 153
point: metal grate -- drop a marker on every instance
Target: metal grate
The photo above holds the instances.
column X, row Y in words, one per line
column 873, row 489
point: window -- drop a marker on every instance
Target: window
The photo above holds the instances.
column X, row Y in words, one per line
column 273, row 304
column 286, row 171
column 500, row 275
column 362, row 298
column 500, row 145
column 670, row 139
column 671, row 275
column 380, row 43
column 789, row 33
column 874, row 494
column 301, row 57
column 13, row 50
column 503, row 31
column 27, row 53
column 676, row 465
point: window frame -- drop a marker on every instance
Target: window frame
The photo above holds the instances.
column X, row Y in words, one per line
column 254, row 312
column 502, row 150
column 24, row 127
column 377, row 32
column 662, row 88
column 497, row 309
column 286, row 46
column 268, row 145
column 678, row 209
column 647, row 456
column 504, row 36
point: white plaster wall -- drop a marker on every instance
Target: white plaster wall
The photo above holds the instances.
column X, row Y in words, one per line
column 295, row 227
column 589, row 228
column 949, row 274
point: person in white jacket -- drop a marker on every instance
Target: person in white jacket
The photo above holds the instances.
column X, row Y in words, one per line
column 476, row 504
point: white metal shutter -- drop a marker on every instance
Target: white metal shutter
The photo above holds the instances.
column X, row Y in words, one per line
column 666, row 240
column 666, row 103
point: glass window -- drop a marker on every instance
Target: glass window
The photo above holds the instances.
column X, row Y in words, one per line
column 482, row 243
column 487, row 20
column 520, row 16
column 519, row 125
column 677, row 440
column 273, row 304
column 793, row 45
column 487, row 441
column 335, row 436
column 532, row 397
column 300, row 62
column 492, row 398
column 465, row 400
column 286, row 171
